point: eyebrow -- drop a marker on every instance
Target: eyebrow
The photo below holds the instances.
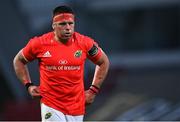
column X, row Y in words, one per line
column 63, row 23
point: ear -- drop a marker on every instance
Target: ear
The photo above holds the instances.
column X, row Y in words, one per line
column 53, row 25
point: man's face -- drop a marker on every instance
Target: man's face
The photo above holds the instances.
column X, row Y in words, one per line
column 64, row 26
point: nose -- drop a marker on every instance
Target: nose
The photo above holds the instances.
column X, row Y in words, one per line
column 67, row 26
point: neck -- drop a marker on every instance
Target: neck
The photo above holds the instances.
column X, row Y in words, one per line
column 64, row 41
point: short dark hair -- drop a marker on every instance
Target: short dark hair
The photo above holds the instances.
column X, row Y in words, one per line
column 62, row 9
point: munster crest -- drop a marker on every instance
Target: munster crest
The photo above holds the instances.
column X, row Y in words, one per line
column 78, row 53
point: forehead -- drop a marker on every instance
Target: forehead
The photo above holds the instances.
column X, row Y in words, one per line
column 63, row 17
column 64, row 22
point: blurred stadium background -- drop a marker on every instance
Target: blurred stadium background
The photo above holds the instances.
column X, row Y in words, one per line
column 141, row 38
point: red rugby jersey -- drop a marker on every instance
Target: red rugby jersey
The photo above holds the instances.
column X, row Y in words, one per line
column 62, row 69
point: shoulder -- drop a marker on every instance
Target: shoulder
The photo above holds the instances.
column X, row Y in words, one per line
column 83, row 40
column 81, row 37
column 42, row 39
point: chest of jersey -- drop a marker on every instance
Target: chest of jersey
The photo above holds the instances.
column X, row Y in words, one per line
column 58, row 55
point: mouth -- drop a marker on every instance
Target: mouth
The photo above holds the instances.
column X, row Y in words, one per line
column 67, row 34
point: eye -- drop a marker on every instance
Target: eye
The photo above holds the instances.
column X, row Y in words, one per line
column 63, row 23
column 70, row 23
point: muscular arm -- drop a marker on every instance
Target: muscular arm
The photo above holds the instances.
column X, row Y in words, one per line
column 22, row 73
column 21, row 69
column 102, row 66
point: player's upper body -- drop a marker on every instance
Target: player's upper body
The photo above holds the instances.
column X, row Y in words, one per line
column 62, row 69
column 61, row 55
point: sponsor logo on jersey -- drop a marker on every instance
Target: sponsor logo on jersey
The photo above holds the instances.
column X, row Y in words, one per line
column 63, row 68
column 47, row 54
column 48, row 115
column 62, row 62
column 78, row 53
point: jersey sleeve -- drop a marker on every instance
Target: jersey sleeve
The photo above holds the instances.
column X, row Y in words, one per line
column 94, row 52
column 30, row 50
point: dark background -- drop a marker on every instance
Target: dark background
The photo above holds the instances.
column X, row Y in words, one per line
column 141, row 38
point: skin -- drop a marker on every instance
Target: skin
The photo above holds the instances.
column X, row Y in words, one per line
column 22, row 73
column 63, row 31
column 101, row 70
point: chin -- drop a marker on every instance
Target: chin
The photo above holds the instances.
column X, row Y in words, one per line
column 66, row 38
